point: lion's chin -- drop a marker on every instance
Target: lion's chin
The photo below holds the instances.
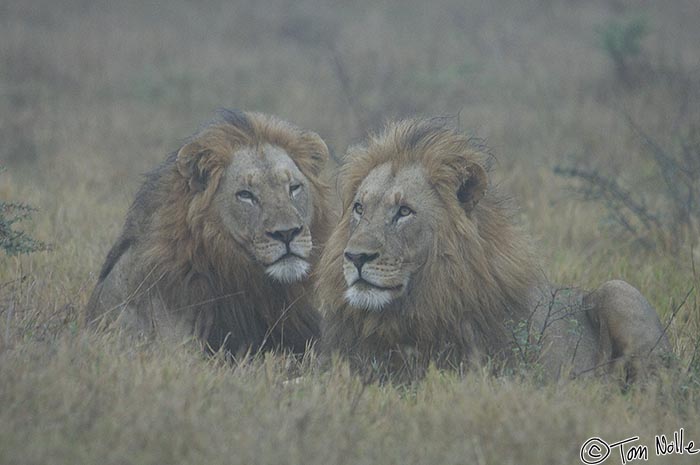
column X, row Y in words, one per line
column 368, row 298
column 288, row 270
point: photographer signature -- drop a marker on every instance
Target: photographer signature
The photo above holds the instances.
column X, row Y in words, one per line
column 595, row 450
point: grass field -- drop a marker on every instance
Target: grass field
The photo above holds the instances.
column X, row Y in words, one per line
column 93, row 93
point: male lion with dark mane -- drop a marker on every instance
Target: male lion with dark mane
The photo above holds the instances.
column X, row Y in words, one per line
column 427, row 265
column 220, row 239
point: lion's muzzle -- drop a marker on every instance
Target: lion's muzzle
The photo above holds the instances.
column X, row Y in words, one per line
column 372, row 283
column 285, row 254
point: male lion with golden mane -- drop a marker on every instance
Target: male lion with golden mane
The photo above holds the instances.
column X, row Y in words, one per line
column 220, row 239
column 427, row 265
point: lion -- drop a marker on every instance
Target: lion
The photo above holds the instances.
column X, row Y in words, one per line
column 427, row 265
column 220, row 239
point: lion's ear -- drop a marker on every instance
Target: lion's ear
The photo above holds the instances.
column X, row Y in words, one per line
column 317, row 150
column 472, row 185
column 190, row 164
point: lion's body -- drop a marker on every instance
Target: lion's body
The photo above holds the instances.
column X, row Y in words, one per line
column 475, row 290
column 180, row 267
column 576, row 332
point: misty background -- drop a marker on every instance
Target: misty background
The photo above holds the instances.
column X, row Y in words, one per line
column 590, row 107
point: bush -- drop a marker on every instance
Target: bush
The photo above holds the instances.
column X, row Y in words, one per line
column 13, row 241
column 622, row 43
column 675, row 217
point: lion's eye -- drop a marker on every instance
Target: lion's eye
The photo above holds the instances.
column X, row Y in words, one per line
column 403, row 212
column 357, row 208
column 294, row 189
column 246, row 196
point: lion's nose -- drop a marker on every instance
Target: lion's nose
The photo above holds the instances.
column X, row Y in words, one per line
column 359, row 259
column 285, row 235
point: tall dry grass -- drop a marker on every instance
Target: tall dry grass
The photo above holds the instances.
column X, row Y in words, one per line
column 94, row 93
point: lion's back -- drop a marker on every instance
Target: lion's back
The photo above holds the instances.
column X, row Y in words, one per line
column 119, row 270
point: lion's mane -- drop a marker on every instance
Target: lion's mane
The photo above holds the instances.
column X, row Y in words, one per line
column 476, row 280
column 186, row 256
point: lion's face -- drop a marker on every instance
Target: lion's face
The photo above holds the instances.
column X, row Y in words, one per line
column 265, row 203
column 391, row 224
column 253, row 187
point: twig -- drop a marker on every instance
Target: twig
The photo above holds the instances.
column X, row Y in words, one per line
column 611, row 190
column 673, row 316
